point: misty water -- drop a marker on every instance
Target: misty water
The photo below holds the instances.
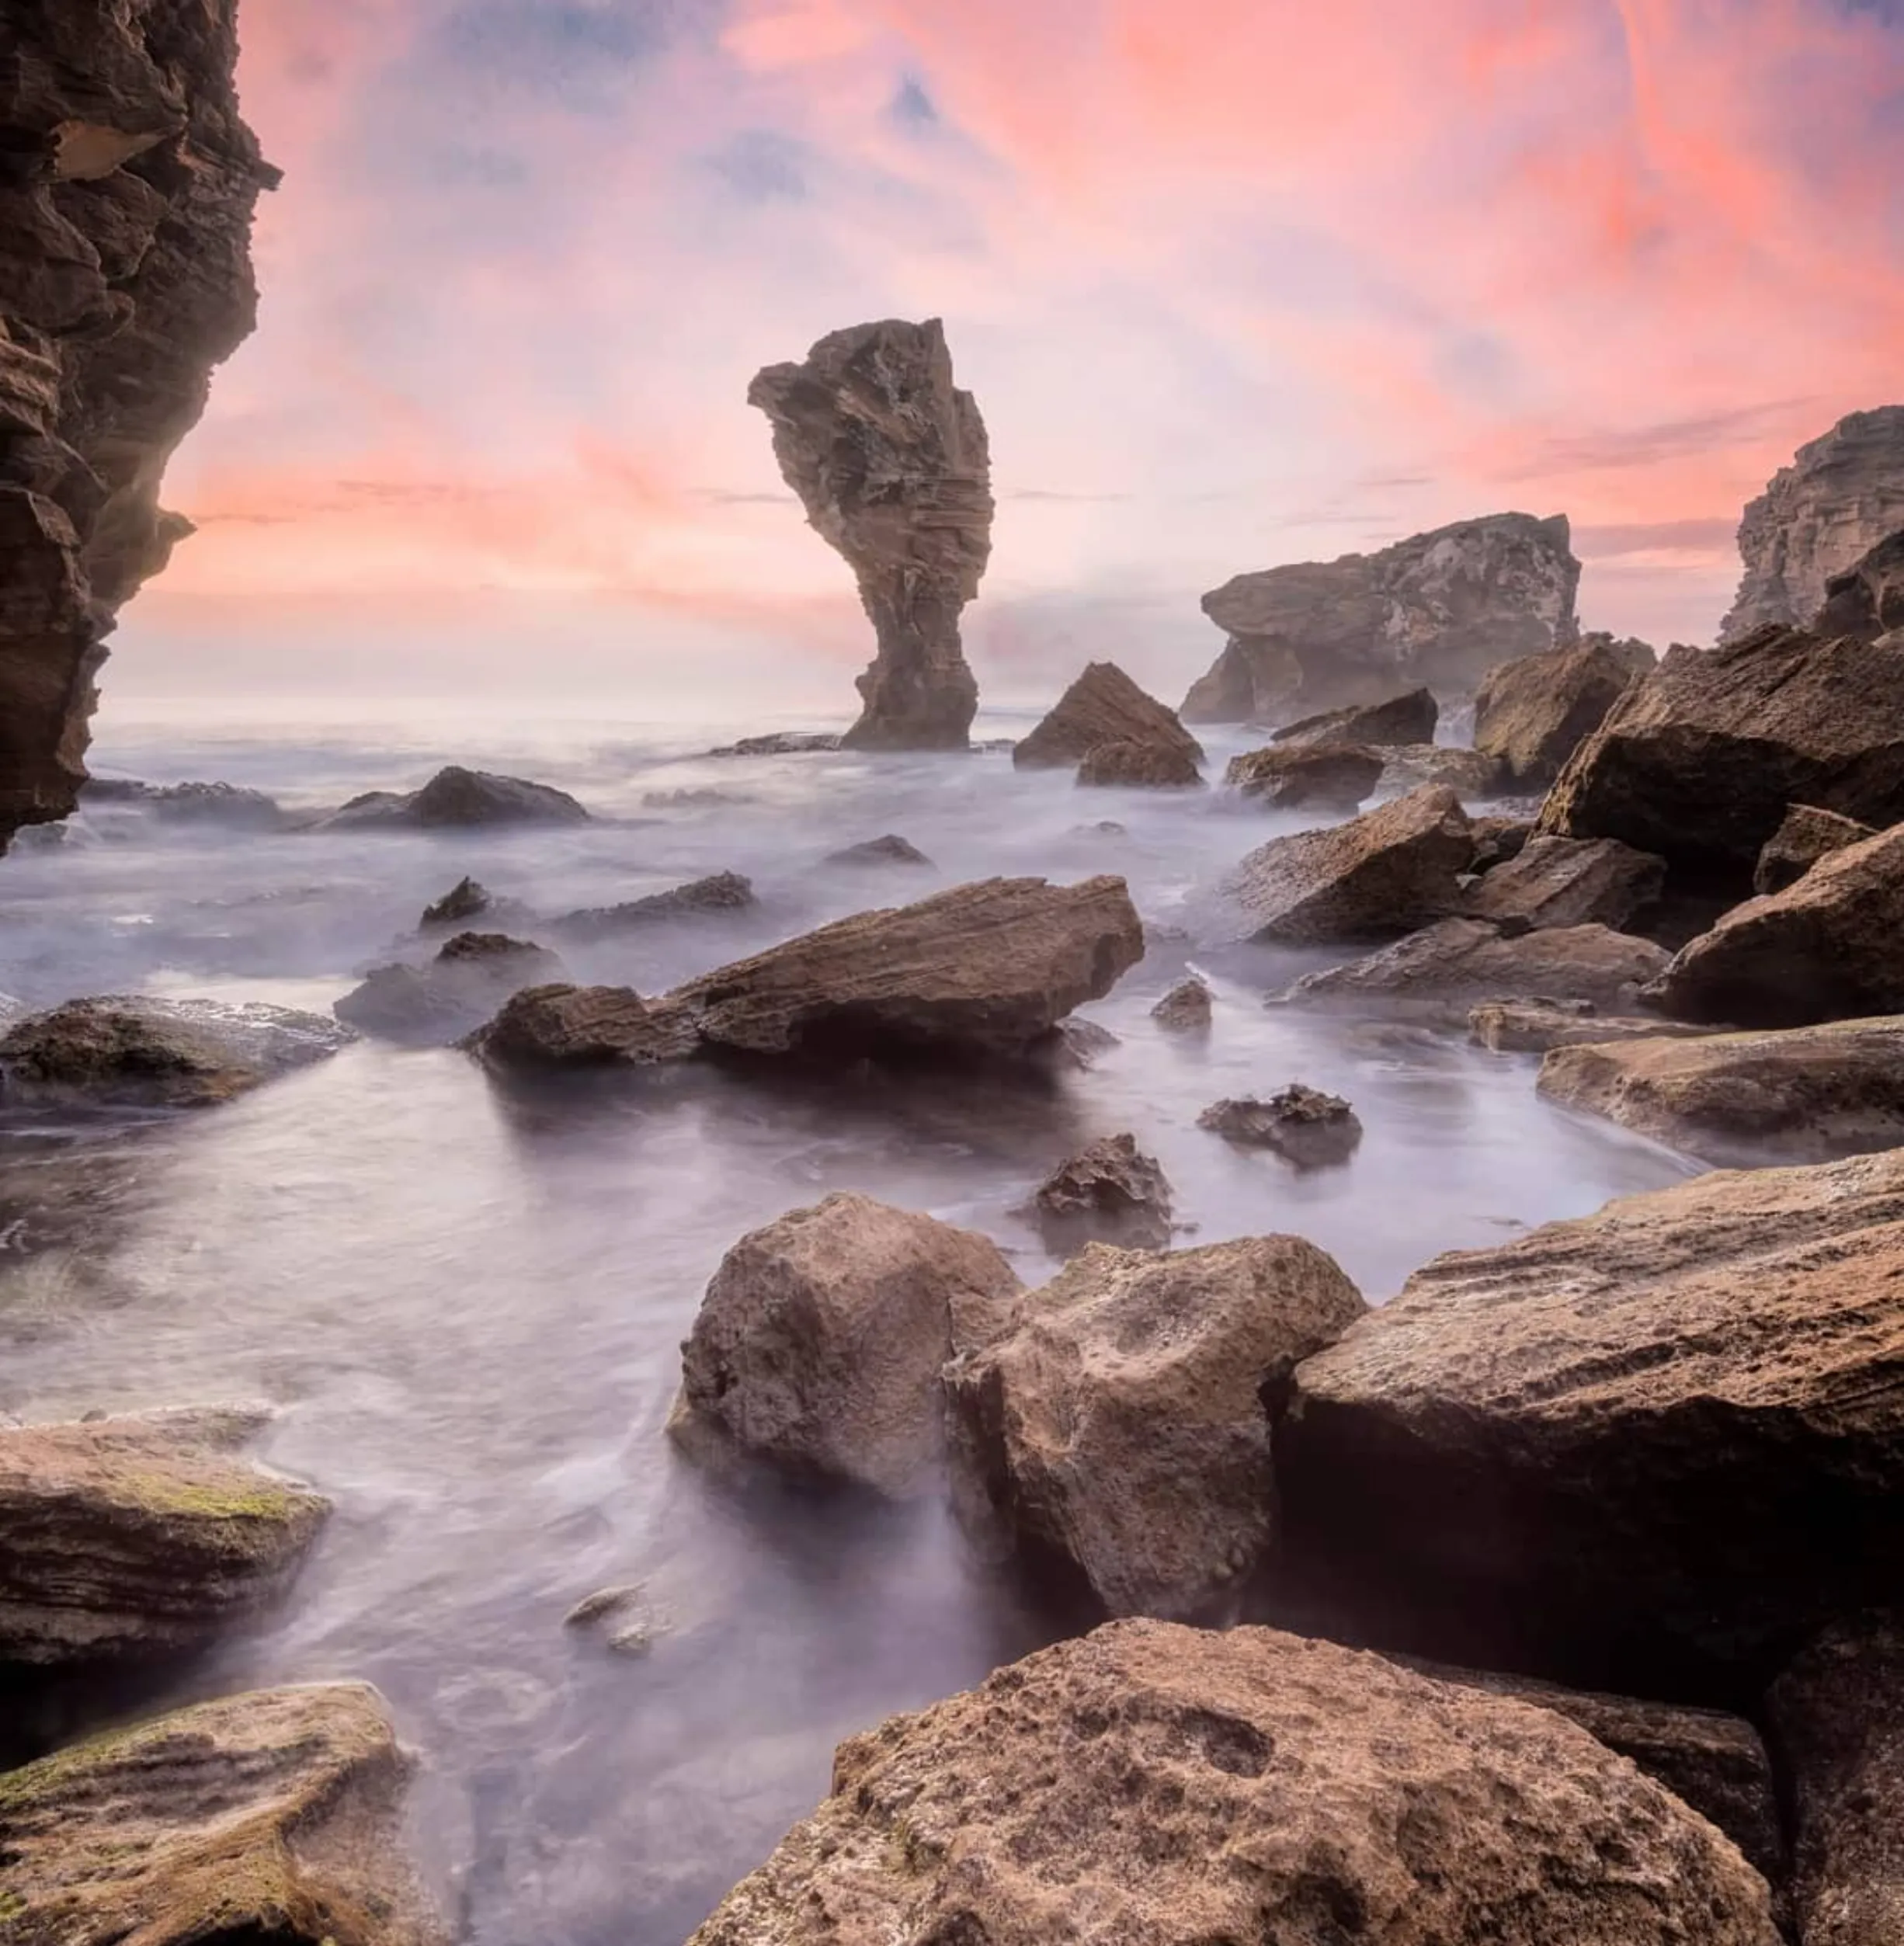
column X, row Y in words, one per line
column 467, row 1308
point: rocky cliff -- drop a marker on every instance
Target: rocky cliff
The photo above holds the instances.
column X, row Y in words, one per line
column 1840, row 496
column 890, row 461
column 1439, row 609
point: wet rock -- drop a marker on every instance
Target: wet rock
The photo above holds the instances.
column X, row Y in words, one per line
column 137, row 1538
column 1807, row 834
column 1571, row 881
column 1537, row 1027
column 1140, row 766
column 1177, row 1786
column 1410, row 717
column 1185, row 1009
column 628, row 1623
column 456, row 799
column 891, row 849
column 1498, row 839
column 1799, row 1095
column 1117, row 1434
column 464, row 901
column 1301, row 1125
column 188, row 804
column 782, row 743
column 603, row 1604
column 819, row 1344
column 724, row 891
column 1531, row 715
column 1104, row 706
column 1077, row 1043
column 1387, row 871
column 546, row 1030
column 134, row 1049
column 1471, row 774
column 890, row 462
column 1322, row 776
column 1111, row 1192
column 1867, row 600
column 274, row 1815
column 1659, row 1445
column 472, row 975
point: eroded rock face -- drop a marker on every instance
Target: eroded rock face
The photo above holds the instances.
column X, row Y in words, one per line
column 1807, row 834
column 1145, row 766
column 1469, row 774
column 549, row 1030
column 1842, row 495
column 1326, row 777
column 216, row 806
column 1111, row 1192
column 890, row 462
column 1866, row 600
column 1302, row 1124
column 1185, row 1009
column 1571, row 881
column 1532, row 715
column 1177, row 1786
column 1537, row 1027
column 125, row 276
column 1104, row 706
column 457, row 799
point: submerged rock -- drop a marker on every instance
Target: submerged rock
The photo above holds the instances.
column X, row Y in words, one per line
column 228, row 805
column 464, row 901
column 1150, row 767
column 456, row 799
column 782, row 743
column 1185, row 1009
column 1410, row 717
column 549, row 1029
column 1111, row 1192
column 891, row 849
column 1117, row 1432
column 1807, row 834
column 1322, row 776
column 890, row 462
column 1302, row 1124
column 1103, row 706
column 1531, row 715
column 724, row 891
column 1537, row 1027
column 1177, row 1786
column 1571, row 881
column 462, row 987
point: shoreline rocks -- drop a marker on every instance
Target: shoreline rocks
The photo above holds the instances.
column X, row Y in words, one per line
column 1109, row 1193
column 1538, row 1026
column 472, row 974
column 1531, row 715
column 724, row 891
column 1408, row 718
column 1187, row 1008
column 1301, row 1125
column 1322, row 776
column 1104, row 706
column 891, row 849
column 1806, row 835
column 456, row 799
column 1570, row 882
column 1139, row 766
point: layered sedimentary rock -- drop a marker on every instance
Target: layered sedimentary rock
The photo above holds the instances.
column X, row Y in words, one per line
column 1841, row 496
column 1867, row 598
column 889, row 460
column 126, row 186
column 1408, row 718
column 1538, row 1026
column 1440, row 608
column 1325, row 776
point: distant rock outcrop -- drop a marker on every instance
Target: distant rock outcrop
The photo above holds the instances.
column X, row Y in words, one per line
column 1440, row 608
column 890, row 463
column 1841, row 496
column 1104, row 706
column 457, row 798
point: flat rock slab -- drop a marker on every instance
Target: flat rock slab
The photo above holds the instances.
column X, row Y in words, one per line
column 1409, row 718
column 1538, row 1026
column 1328, row 777
column 1569, row 881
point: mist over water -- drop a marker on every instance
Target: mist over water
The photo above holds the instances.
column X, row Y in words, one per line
column 468, row 1307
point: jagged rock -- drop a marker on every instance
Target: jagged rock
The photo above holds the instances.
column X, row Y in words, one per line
column 1410, row 717
column 1700, row 761
column 548, row 1029
column 1117, row 1432
column 1111, row 1192
column 1140, row 766
column 782, row 743
column 1104, row 706
column 1303, row 1125
column 1660, row 1444
column 456, row 799
column 460, row 988
column 1185, row 1009
column 188, row 804
column 125, row 276
column 138, row 1538
column 179, row 1054
column 1471, row 774
column 1498, row 839
column 1077, row 1043
column 1391, row 869
column 1635, row 657
column 724, row 891
column 1837, row 1715
column 1178, row 1787
column 1324, row 777
column 890, row 463
column 1842, row 495
column 819, row 1344
column 1866, row 600
column 1531, row 715
column 274, row 1815
column 1537, row 1027
column 1807, row 834
column 891, row 849
column 1440, row 608
column 464, row 901
column 1798, row 1095
column 1570, row 882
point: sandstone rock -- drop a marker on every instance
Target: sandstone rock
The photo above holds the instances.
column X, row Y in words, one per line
column 125, row 276
column 724, row 891
column 472, row 976
column 1867, row 599
column 545, row 1029
column 1635, row 657
column 1842, row 495
column 226, row 804
column 891, row 849
column 1104, row 706
column 782, row 743
column 1140, row 766
column 1660, row 1444
column 456, row 799
column 1325, row 776
column 1498, row 839
column 1174, row 1787
column 275, row 1815
column 1470, row 773
column 890, row 463
column 1807, row 834
column 1185, row 1009
column 1111, row 1192
column 1409, row 717
column 138, row 1538
column 1303, row 1125
column 1117, row 1433
column 179, row 1054
column 819, row 1344
column 464, row 901
column 1440, row 608
column 1537, row 1027
column 1531, row 715
column 1391, row 869
column 1571, row 881
column 1801, row 1095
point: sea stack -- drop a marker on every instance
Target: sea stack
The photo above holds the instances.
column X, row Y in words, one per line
column 890, row 463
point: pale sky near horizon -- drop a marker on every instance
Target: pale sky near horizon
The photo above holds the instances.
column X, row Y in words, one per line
column 1235, row 282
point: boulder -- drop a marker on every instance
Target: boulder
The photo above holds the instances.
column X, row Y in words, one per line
column 1151, row 767
column 472, row 976
column 724, row 891
column 1104, row 706
column 782, row 743
column 548, row 1030
column 1387, row 871
column 1498, row 839
column 1409, row 717
column 1176, row 1787
column 1471, row 774
column 135, row 1539
column 1185, row 1009
column 819, row 1344
column 1656, row 1447
column 227, row 805
column 1537, row 1027
column 1795, row 1095
column 1531, row 715
column 1571, row 881
column 1867, row 599
column 1077, row 1045
column 464, row 901
column 275, row 1815
column 1111, row 1192
column 1807, row 834
column 890, row 462
column 1322, row 776
column 136, row 1049
column 1302, row 1124
column 456, row 799
column 1116, row 1434
column 891, row 849
column 1637, row 658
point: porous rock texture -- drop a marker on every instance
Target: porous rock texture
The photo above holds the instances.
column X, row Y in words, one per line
column 1111, row 1192
column 1323, row 777
column 1570, row 882
column 889, row 460
column 1187, row 1008
column 1807, row 834
column 1144, row 766
column 1104, row 706
column 1302, row 1124
column 558, row 1028
column 1532, row 713
column 274, row 1815
column 126, row 198
column 1537, row 1027
column 1154, row 1785
column 1440, row 608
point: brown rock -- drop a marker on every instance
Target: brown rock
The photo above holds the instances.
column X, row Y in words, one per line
column 1807, row 834
column 548, row 1029
column 1185, row 1009
column 472, row 976
column 1253, row 680
column 456, row 799
column 1408, row 718
column 1142, row 766
column 1498, row 839
column 1867, row 599
column 819, row 1344
column 1303, row 1125
column 783, row 743
column 891, row 849
column 1324, row 777
column 724, row 891
column 1111, row 1192
column 1571, row 881
column 1531, row 715
column 1470, row 773
column 890, row 462
column 1173, row 1787
column 1537, row 1027
column 1104, row 706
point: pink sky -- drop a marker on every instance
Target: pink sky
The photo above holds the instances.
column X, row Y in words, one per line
column 1236, row 282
